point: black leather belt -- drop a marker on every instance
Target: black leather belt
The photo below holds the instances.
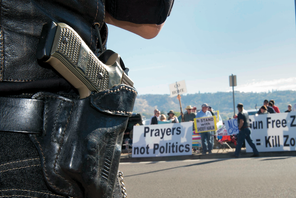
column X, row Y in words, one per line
column 21, row 115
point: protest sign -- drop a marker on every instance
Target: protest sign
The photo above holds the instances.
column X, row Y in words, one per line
column 178, row 88
column 221, row 131
column 162, row 140
column 205, row 124
column 273, row 132
column 231, row 126
column 217, row 114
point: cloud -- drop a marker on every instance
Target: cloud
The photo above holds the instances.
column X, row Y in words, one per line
column 251, row 86
column 267, row 85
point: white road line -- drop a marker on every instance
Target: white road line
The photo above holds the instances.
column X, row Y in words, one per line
column 157, row 162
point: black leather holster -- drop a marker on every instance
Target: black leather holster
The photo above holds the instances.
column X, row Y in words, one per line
column 80, row 139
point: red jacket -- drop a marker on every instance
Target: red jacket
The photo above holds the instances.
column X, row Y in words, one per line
column 276, row 109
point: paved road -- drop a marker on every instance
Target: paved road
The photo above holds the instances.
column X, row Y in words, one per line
column 242, row 177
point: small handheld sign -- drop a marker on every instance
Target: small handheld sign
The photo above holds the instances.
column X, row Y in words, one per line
column 176, row 89
column 205, row 124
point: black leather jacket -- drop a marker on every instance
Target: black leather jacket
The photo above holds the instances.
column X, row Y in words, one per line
column 21, row 24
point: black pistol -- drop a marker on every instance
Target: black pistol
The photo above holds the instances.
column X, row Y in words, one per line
column 67, row 53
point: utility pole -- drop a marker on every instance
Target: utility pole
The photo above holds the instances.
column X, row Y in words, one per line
column 232, row 82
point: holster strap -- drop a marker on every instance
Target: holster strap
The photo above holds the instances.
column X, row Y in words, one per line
column 21, row 115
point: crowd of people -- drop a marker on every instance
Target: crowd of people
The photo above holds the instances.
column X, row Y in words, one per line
column 207, row 138
column 162, row 118
column 270, row 107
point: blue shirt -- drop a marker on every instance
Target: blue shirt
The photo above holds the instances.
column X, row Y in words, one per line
column 201, row 114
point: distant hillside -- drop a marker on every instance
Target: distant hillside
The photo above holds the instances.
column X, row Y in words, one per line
column 222, row 101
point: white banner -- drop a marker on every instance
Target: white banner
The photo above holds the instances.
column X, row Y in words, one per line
column 162, row 140
column 273, row 132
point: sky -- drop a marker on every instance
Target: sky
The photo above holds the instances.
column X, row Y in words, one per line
column 205, row 41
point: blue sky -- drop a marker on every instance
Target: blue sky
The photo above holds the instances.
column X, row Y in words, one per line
column 205, row 41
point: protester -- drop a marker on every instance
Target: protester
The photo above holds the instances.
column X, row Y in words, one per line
column 162, row 117
column 265, row 103
column 244, row 131
column 207, row 138
column 193, row 110
column 163, row 120
column 263, row 110
column 172, row 117
column 276, row 109
column 189, row 115
column 210, row 110
column 289, row 108
column 270, row 108
column 154, row 119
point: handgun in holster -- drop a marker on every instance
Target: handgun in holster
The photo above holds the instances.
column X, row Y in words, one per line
column 86, row 134
column 67, row 53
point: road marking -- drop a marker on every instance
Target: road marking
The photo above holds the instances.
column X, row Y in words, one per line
column 158, row 162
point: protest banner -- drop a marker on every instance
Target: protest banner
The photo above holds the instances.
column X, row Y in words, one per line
column 205, row 124
column 221, row 129
column 162, row 140
column 273, row 132
column 196, row 139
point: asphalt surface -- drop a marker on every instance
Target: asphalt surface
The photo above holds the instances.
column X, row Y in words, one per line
column 213, row 177
column 216, row 154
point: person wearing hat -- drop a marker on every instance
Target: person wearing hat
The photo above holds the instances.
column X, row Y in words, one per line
column 263, row 110
column 172, row 117
column 189, row 115
column 244, row 131
column 207, row 138
column 211, row 110
column 193, row 110
column 289, row 108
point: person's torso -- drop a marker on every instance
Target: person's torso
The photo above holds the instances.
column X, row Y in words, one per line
column 201, row 114
column 245, row 117
column 189, row 117
column 270, row 109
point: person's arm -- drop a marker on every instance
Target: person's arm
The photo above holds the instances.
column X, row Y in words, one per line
column 147, row 31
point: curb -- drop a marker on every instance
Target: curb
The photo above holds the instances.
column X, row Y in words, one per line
column 127, row 157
